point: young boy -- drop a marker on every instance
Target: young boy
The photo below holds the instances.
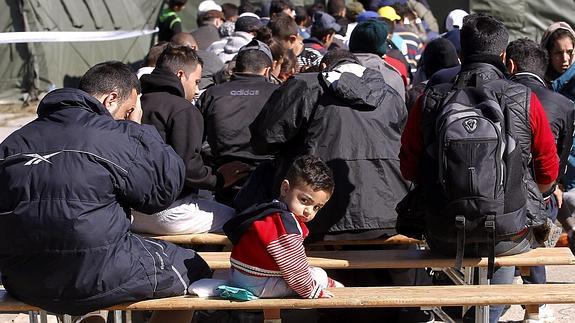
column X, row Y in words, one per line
column 169, row 22
column 268, row 256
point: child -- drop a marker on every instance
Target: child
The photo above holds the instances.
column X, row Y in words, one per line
column 268, row 256
column 169, row 22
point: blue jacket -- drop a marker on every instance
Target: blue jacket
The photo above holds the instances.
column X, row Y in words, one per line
column 69, row 179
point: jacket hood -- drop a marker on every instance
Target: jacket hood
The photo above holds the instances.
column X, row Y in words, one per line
column 161, row 80
column 238, row 225
column 237, row 41
column 70, row 98
column 553, row 28
column 362, row 88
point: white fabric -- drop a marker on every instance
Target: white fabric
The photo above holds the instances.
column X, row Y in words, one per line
column 208, row 5
column 206, row 287
column 190, row 214
column 69, row 36
column 272, row 287
column 144, row 70
column 455, row 19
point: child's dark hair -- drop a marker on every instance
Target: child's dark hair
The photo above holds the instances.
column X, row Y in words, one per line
column 313, row 171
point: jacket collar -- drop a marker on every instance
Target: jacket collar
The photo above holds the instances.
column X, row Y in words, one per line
column 67, row 98
column 530, row 76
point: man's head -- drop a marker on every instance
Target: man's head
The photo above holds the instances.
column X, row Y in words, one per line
column 248, row 24
column 559, row 40
column 185, row 39
column 177, row 5
column 525, row 55
column 481, row 34
column 211, row 17
column 324, row 28
column 154, row 53
column 285, row 29
column 113, row 84
column 254, row 58
column 184, row 62
column 307, row 187
column 281, row 6
column 336, row 8
column 333, row 58
column 369, row 37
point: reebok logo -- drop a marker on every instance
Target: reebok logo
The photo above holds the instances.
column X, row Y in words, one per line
column 245, row 92
column 36, row 159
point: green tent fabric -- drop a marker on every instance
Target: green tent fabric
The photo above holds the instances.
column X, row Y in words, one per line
column 27, row 69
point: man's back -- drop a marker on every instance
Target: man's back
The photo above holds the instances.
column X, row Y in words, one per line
column 229, row 109
column 353, row 121
column 69, row 179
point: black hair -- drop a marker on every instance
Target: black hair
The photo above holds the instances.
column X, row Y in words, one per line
column 264, row 34
column 528, row 56
column 320, row 33
column 173, row 3
column 482, row 34
column 278, row 6
column 283, row 26
column 179, row 57
column 289, row 63
column 251, row 61
column 110, row 76
column 154, row 53
column 313, row 171
column 301, row 15
column 246, row 6
column 334, row 7
column 230, row 10
column 333, row 58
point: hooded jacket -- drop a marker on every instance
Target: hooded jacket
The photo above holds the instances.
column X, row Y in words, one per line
column 352, row 119
column 390, row 74
column 180, row 124
column 226, row 49
column 69, row 179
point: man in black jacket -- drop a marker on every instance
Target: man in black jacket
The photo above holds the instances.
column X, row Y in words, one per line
column 229, row 109
column 166, row 102
column 527, row 62
column 69, row 179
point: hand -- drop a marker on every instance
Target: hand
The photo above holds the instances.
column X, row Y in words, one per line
column 559, row 196
column 233, row 172
column 325, row 294
column 136, row 113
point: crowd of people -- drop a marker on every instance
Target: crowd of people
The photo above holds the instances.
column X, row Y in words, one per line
column 279, row 124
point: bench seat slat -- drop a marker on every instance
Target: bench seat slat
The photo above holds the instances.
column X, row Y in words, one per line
column 369, row 259
column 355, row 297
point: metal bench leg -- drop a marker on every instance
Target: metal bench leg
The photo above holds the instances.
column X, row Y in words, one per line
column 43, row 317
column 67, row 318
column 272, row 316
column 117, row 316
column 33, row 317
column 482, row 312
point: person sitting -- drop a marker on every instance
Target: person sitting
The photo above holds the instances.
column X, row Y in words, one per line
column 70, row 179
column 268, row 257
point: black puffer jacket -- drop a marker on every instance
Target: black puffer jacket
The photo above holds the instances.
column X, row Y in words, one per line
column 353, row 120
column 180, row 124
column 69, row 179
column 560, row 112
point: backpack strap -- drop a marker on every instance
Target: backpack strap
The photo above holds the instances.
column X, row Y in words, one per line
column 490, row 229
column 460, row 226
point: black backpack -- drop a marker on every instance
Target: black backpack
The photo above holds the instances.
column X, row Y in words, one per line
column 470, row 153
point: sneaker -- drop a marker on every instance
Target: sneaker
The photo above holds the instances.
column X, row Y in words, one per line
column 545, row 315
column 554, row 234
column 415, row 315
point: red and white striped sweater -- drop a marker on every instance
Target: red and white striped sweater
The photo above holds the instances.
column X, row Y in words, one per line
column 273, row 247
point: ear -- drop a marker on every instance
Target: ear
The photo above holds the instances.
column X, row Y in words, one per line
column 292, row 38
column 328, row 38
column 322, row 66
column 180, row 74
column 110, row 99
column 284, row 188
column 511, row 66
column 267, row 71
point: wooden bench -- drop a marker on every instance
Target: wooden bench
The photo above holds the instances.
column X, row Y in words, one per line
column 371, row 259
column 356, row 297
column 221, row 239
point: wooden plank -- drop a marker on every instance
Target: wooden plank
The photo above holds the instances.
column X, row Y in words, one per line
column 197, row 238
column 355, row 297
column 369, row 259
column 391, row 240
column 221, row 239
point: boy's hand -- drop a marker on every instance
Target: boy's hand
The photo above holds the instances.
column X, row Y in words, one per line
column 325, row 294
